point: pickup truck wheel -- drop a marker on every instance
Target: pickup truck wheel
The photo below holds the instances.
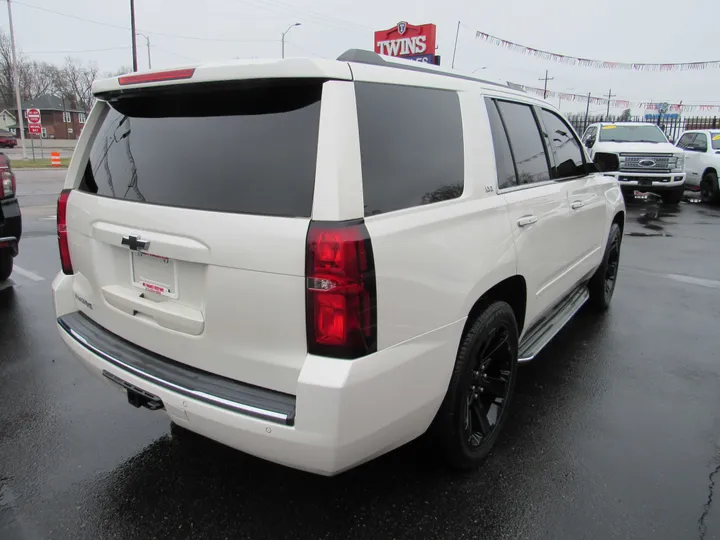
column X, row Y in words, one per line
column 673, row 197
column 481, row 388
column 6, row 265
column 602, row 284
column 709, row 193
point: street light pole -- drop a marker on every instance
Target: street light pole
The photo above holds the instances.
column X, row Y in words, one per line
column 283, row 36
column 147, row 41
column 132, row 30
column 16, row 76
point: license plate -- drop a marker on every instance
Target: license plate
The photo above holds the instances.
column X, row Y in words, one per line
column 646, row 182
column 153, row 273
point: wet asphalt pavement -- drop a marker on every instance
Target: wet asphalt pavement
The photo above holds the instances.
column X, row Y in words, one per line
column 614, row 433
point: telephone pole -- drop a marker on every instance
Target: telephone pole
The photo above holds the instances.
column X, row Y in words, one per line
column 16, row 77
column 132, row 29
column 457, row 34
column 610, row 96
column 546, row 79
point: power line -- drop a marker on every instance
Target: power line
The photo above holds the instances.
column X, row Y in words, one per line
column 78, row 51
column 276, row 6
column 175, row 54
column 304, row 49
column 197, row 38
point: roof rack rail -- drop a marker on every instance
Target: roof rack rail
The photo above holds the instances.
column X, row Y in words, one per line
column 361, row 56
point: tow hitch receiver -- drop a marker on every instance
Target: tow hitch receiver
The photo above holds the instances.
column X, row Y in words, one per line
column 137, row 397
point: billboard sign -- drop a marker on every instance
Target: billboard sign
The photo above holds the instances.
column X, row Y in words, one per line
column 408, row 41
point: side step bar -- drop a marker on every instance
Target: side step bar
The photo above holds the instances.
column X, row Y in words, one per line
column 546, row 329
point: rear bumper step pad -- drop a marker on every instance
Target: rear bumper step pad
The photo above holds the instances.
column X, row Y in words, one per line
column 189, row 381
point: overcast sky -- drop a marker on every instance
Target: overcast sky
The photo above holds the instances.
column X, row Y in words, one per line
column 660, row 31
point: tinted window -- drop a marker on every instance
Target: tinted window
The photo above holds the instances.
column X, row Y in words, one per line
column 686, row 140
column 245, row 149
column 701, row 142
column 565, row 147
column 411, row 146
column 527, row 145
column 503, row 155
column 590, row 134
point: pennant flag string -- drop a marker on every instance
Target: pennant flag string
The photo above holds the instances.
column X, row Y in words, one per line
column 600, row 64
column 618, row 103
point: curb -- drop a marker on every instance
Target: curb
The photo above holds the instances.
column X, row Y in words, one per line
column 20, row 169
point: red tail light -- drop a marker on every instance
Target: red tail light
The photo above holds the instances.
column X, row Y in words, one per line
column 158, row 76
column 65, row 260
column 7, row 184
column 341, row 294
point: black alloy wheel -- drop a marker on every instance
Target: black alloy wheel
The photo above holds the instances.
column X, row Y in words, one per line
column 489, row 387
column 611, row 269
column 481, row 388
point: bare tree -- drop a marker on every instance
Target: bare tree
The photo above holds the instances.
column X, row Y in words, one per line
column 73, row 82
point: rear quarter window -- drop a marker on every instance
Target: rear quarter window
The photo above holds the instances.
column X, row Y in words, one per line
column 411, row 145
column 248, row 148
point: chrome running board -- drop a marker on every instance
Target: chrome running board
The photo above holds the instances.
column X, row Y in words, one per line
column 541, row 333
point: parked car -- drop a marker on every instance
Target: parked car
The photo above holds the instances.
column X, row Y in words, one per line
column 7, row 140
column 646, row 160
column 10, row 219
column 702, row 162
column 364, row 253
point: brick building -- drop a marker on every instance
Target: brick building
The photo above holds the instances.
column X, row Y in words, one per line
column 61, row 118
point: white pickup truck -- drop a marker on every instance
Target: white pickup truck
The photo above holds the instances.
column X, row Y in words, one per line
column 644, row 159
column 702, row 162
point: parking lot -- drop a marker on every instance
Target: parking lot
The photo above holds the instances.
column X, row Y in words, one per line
column 615, row 430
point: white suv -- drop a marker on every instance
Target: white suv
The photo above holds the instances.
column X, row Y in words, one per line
column 360, row 251
column 640, row 156
column 702, row 162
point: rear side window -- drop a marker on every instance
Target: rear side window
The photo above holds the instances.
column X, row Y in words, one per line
column 503, row 155
column 411, row 146
column 525, row 141
column 248, row 148
column 568, row 154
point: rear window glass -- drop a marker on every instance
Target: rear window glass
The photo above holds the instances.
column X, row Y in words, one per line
column 411, row 146
column 241, row 149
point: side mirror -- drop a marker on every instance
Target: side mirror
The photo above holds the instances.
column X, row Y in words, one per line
column 590, row 143
column 606, row 162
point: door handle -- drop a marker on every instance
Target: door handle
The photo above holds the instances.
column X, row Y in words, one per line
column 577, row 204
column 526, row 220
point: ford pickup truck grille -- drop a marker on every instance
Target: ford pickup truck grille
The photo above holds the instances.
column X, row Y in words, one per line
column 646, row 162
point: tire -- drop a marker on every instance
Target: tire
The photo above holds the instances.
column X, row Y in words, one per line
column 673, row 197
column 709, row 193
column 486, row 361
column 6, row 265
column 602, row 284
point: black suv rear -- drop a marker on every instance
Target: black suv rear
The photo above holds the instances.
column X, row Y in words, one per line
column 10, row 220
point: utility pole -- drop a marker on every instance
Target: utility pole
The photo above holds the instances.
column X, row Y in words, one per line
column 283, row 36
column 16, row 77
column 457, row 34
column 587, row 112
column 546, row 79
column 610, row 96
column 147, row 41
column 132, row 29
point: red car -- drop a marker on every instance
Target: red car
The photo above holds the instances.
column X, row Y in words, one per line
column 7, row 140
